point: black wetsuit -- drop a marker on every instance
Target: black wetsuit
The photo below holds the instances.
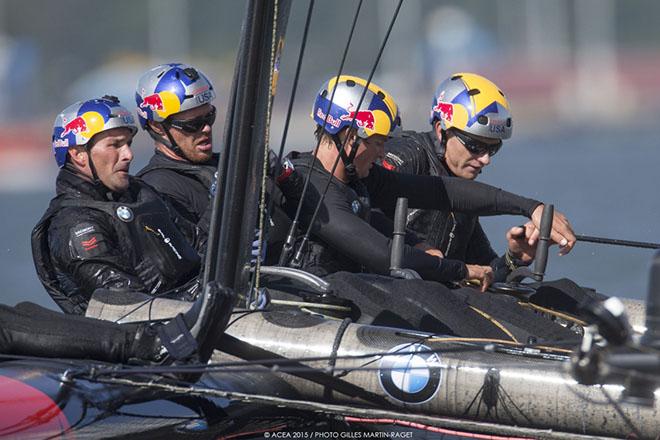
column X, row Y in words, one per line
column 90, row 238
column 345, row 239
column 188, row 185
column 458, row 235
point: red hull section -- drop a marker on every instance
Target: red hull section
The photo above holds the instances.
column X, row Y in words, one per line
column 26, row 411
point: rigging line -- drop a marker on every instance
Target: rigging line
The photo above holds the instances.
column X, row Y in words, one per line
column 275, row 53
column 263, row 362
column 506, row 409
column 461, row 349
column 342, row 150
column 552, row 312
column 476, row 396
column 507, row 396
column 304, row 305
column 150, row 301
column 289, row 243
column 369, row 362
column 277, row 366
column 619, row 411
column 501, row 341
column 496, row 323
column 244, row 314
column 325, row 370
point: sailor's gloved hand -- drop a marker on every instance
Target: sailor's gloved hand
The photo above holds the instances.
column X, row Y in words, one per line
column 255, row 248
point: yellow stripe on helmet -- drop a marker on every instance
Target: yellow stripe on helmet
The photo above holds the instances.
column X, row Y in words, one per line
column 489, row 92
column 388, row 100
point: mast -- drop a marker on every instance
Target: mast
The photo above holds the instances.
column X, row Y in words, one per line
column 240, row 169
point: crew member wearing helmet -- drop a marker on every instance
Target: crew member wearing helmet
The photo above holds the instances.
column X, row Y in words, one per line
column 470, row 118
column 344, row 236
column 174, row 107
column 105, row 228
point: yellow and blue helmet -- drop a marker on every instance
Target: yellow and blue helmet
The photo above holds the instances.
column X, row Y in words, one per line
column 472, row 104
column 378, row 113
column 171, row 88
column 80, row 122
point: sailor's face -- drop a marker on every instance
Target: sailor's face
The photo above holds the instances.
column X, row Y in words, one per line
column 197, row 145
column 369, row 151
column 112, row 155
column 461, row 162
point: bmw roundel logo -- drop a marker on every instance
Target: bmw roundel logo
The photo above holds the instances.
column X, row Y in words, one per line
column 355, row 206
column 124, row 213
column 414, row 376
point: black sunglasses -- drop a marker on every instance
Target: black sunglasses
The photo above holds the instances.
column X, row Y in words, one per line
column 194, row 125
column 476, row 147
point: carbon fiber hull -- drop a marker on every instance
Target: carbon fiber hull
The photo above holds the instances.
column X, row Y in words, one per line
column 441, row 377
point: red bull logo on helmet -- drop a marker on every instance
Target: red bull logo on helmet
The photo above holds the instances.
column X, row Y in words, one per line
column 446, row 109
column 330, row 120
column 75, row 126
column 154, row 102
column 61, row 143
column 163, row 103
column 363, row 118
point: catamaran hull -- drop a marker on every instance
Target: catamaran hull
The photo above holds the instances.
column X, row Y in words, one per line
column 443, row 378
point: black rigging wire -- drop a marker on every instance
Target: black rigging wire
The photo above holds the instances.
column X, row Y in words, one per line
column 462, row 347
column 290, row 239
column 298, row 255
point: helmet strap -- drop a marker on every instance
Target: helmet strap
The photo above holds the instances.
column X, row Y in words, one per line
column 440, row 145
column 96, row 182
column 351, row 171
column 169, row 142
column 347, row 160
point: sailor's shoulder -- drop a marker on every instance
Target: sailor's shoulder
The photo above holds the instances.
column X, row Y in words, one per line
column 404, row 151
column 69, row 218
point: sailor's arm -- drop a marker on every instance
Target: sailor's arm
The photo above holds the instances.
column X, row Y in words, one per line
column 462, row 195
column 356, row 239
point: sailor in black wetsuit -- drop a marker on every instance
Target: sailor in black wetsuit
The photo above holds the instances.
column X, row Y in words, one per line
column 174, row 107
column 106, row 229
column 470, row 118
column 346, row 238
